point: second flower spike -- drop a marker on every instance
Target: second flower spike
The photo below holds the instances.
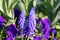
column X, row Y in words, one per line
column 32, row 22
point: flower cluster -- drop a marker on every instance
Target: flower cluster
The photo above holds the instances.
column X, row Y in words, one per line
column 29, row 26
column 46, row 29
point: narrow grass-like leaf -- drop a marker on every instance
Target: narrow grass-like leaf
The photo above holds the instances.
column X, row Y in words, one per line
column 4, row 5
column 7, row 2
column 21, row 6
column 57, row 6
column 5, row 16
column 56, row 18
column 34, row 3
column 13, row 4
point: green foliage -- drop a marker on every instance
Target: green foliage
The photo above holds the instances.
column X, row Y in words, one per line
column 8, row 6
column 49, row 8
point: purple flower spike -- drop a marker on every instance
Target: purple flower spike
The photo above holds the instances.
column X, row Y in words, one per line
column 10, row 36
column 21, row 21
column 37, row 37
column 26, row 29
column 16, row 11
column 2, row 21
column 12, row 28
column 38, row 20
column 32, row 22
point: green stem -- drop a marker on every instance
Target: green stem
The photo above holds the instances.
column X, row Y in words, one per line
column 26, row 5
column 1, row 35
column 27, row 38
column 22, row 38
column 22, row 35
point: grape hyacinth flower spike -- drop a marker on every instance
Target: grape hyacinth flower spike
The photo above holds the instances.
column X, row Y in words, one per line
column 26, row 29
column 21, row 21
column 32, row 22
column 2, row 21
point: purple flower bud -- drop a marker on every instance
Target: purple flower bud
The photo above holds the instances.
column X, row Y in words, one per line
column 54, row 31
column 2, row 21
column 32, row 22
column 54, row 39
column 12, row 28
column 10, row 36
column 37, row 37
column 16, row 11
column 38, row 20
column 21, row 21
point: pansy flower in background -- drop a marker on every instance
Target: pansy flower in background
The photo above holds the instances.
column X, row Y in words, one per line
column 12, row 28
column 38, row 20
column 37, row 37
column 10, row 36
column 45, row 28
column 2, row 21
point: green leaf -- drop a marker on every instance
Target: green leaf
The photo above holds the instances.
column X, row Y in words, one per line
column 13, row 4
column 56, row 2
column 5, row 16
column 56, row 7
column 34, row 3
column 7, row 2
column 4, row 5
column 52, row 3
column 56, row 18
column 30, row 5
column 21, row 6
